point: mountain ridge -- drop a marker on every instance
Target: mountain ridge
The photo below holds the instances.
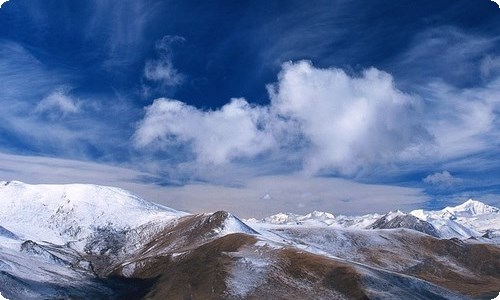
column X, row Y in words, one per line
column 98, row 242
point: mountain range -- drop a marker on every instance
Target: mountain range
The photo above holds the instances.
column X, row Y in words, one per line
column 81, row 241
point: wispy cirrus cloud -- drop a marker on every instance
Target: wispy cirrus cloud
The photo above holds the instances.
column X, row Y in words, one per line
column 122, row 39
column 450, row 55
column 41, row 114
column 161, row 69
column 58, row 102
column 289, row 192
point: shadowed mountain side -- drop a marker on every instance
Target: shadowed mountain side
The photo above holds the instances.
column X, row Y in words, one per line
column 465, row 267
column 405, row 221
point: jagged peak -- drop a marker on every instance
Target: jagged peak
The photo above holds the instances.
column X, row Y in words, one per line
column 320, row 214
column 473, row 207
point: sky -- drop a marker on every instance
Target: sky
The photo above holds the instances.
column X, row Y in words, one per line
column 256, row 107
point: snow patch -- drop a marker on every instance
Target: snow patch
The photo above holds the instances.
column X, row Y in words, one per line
column 128, row 269
column 248, row 273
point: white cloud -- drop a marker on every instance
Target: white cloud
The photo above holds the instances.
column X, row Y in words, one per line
column 237, row 130
column 161, row 70
column 497, row 2
column 351, row 122
column 58, row 102
column 463, row 121
column 444, row 53
column 441, row 179
column 329, row 121
column 333, row 120
column 122, row 39
column 2, row 2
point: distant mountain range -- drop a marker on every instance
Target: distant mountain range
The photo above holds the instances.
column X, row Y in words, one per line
column 94, row 242
column 470, row 220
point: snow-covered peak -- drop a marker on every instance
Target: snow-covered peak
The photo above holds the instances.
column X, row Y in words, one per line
column 71, row 212
column 393, row 214
column 281, row 218
column 320, row 215
column 312, row 218
column 232, row 224
column 472, row 207
column 469, row 219
column 469, row 208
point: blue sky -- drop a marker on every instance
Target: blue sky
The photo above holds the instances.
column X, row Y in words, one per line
column 255, row 106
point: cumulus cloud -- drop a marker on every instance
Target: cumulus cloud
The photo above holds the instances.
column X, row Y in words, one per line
column 2, row 2
column 216, row 137
column 350, row 121
column 58, row 102
column 331, row 122
column 161, row 69
column 343, row 122
column 441, row 179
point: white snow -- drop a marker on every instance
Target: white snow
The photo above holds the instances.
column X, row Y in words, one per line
column 470, row 219
column 248, row 272
column 128, row 269
column 62, row 214
column 315, row 218
column 69, row 213
column 233, row 225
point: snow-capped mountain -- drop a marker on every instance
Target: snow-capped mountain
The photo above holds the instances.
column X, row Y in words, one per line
column 311, row 219
column 61, row 214
column 93, row 242
column 470, row 219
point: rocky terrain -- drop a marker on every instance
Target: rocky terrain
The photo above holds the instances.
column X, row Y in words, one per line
column 94, row 242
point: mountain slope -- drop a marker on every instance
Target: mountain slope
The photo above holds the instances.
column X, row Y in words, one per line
column 470, row 219
column 94, row 242
column 62, row 214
